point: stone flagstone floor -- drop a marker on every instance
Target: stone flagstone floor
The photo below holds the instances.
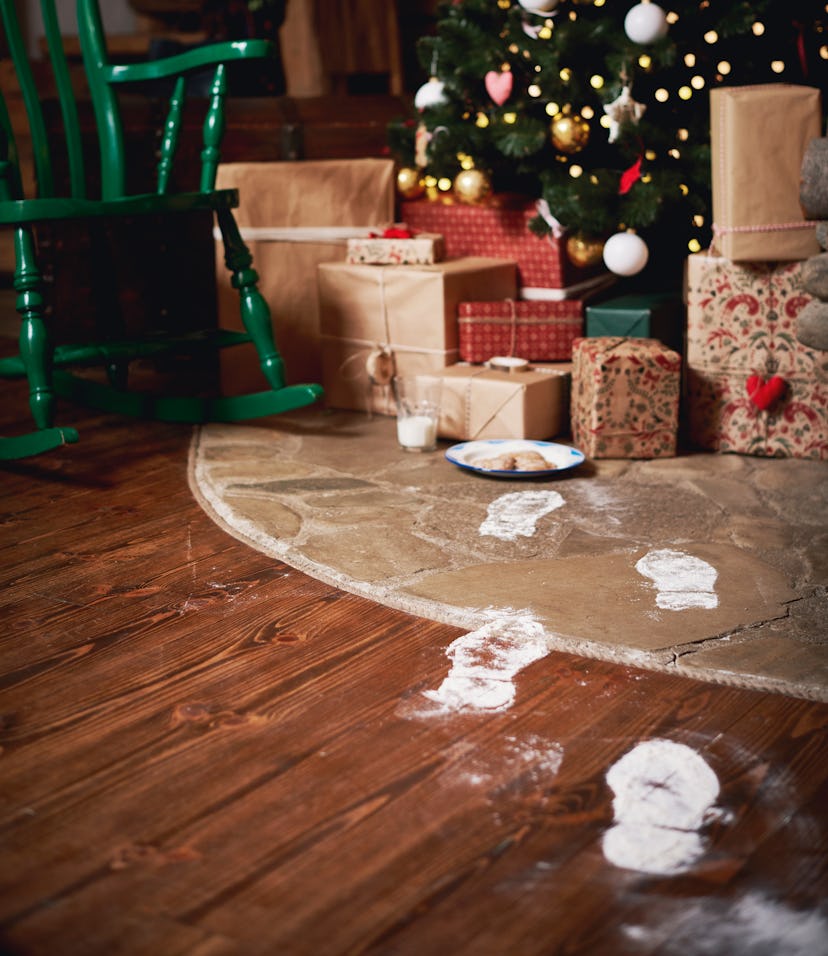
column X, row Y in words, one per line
column 714, row 565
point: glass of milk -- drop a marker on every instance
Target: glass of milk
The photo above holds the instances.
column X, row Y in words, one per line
column 418, row 411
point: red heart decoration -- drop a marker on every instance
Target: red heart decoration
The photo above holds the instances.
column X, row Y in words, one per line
column 763, row 394
column 499, row 85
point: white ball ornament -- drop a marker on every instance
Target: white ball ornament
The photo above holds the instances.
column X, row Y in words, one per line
column 538, row 6
column 625, row 254
column 645, row 23
column 432, row 93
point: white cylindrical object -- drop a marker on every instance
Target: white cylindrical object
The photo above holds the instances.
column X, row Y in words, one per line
column 417, row 432
column 508, row 363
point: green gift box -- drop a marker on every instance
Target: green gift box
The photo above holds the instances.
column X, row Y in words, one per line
column 657, row 315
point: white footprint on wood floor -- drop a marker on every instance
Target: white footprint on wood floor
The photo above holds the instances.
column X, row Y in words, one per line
column 484, row 664
column 516, row 514
column 682, row 580
column 752, row 924
column 664, row 794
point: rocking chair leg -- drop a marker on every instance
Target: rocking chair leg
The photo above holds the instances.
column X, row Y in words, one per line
column 255, row 312
column 35, row 348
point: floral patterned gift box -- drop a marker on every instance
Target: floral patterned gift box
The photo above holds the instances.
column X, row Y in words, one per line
column 625, row 397
column 396, row 245
column 751, row 386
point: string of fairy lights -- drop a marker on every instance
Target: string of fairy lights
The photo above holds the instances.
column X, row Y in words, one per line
column 566, row 95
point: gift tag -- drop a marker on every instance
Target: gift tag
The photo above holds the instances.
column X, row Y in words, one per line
column 380, row 366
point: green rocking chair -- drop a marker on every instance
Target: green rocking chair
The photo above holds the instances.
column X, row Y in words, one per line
column 51, row 369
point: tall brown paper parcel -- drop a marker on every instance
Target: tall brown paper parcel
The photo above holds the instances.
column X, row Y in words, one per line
column 758, row 137
column 408, row 311
column 287, row 201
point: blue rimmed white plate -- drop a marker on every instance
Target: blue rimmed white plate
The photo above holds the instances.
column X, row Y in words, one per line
column 479, row 456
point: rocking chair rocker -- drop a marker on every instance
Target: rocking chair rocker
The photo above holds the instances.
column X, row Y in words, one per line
column 48, row 367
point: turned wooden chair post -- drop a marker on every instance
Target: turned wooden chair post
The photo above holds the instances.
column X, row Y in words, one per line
column 51, row 371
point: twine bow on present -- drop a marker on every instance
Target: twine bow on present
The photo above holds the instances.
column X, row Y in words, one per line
column 512, row 326
column 380, row 365
column 509, row 362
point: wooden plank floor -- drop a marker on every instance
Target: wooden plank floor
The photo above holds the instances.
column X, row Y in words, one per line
column 205, row 752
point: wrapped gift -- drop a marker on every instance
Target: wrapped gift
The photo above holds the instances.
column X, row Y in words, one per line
column 537, row 331
column 758, row 137
column 381, row 320
column 396, row 246
column 625, row 397
column 501, row 230
column 479, row 402
column 645, row 316
column 751, row 386
column 292, row 217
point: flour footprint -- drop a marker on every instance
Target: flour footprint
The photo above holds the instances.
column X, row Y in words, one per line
column 484, row 664
column 664, row 795
column 517, row 514
column 682, row 580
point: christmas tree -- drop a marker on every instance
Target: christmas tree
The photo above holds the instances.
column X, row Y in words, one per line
column 598, row 107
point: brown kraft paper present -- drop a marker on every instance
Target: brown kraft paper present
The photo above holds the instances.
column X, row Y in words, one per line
column 294, row 215
column 758, row 137
column 407, row 313
column 480, row 402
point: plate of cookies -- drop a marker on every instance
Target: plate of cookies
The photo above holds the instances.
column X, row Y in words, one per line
column 514, row 458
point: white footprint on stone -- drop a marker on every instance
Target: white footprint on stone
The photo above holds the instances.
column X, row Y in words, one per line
column 516, row 514
column 664, row 793
column 682, row 580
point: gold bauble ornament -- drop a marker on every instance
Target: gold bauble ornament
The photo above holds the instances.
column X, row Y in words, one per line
column 472, row 185
column 410, row 183
column 584, row 250
column 569, row 132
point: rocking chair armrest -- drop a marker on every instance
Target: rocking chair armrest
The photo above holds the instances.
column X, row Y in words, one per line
column 196, row 59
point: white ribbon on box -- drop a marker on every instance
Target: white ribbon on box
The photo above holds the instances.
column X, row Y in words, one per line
column 576, row 291
column 301, row 233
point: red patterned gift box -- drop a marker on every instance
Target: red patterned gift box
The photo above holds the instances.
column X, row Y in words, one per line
column 751, row 386
column 538, row 331
column 625, row 397
column 500, row 230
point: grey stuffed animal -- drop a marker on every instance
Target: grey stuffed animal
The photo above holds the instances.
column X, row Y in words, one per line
column 812, row 322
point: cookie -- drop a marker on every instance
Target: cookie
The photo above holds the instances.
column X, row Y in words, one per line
column 501, row 463
column 531, row 461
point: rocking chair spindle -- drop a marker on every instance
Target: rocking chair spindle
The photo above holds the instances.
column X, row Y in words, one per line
column 48, row 367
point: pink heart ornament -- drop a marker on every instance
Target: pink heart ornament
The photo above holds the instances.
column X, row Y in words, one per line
column 763, row 394
column 499, row 85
